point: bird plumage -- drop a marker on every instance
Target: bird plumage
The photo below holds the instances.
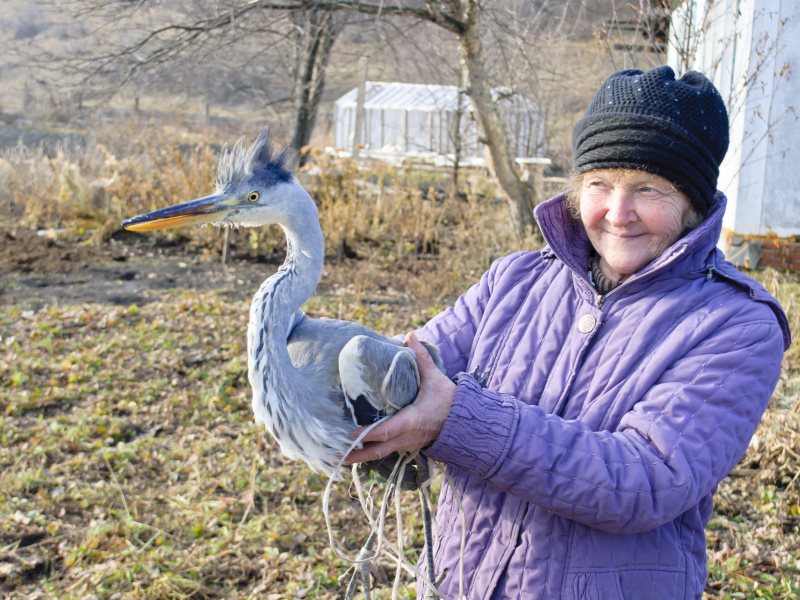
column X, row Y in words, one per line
column 314, row 381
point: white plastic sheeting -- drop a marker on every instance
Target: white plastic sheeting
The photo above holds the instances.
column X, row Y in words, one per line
column 405, row 119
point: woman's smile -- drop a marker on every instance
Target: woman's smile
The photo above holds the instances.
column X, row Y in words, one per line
column 631, row 217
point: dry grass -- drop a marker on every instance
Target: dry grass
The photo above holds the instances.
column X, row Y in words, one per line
column 129, row 463
column 388, row 216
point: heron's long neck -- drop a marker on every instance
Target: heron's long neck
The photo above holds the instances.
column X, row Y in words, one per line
column 277, row 300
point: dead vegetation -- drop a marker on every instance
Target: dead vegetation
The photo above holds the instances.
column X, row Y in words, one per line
column 129, row 463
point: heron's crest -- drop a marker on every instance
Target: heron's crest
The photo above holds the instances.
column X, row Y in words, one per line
column 260, row 160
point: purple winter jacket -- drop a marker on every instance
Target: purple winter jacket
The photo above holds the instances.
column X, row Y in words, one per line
column 586, row 466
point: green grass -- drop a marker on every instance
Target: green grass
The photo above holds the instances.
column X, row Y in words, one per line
column 130, row 462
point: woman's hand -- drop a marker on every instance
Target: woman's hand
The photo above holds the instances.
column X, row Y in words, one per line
column 418, row 424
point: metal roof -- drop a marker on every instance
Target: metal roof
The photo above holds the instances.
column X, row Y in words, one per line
column 418, row 96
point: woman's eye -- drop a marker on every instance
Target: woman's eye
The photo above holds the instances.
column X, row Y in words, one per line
column 253, row 196
column 651, row 192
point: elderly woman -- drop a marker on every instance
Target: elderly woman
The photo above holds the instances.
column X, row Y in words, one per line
column 622, row 369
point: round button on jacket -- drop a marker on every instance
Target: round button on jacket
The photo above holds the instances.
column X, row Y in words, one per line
column 586, row 323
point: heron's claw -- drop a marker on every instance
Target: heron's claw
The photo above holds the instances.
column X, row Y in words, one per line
column 407, row 480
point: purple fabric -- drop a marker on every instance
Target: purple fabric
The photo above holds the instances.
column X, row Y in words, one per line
column 586, row 467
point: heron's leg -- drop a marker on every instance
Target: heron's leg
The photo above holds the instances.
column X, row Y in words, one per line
column 364, row 566
column 362, row 569
column 423, row 479
column 350, row 592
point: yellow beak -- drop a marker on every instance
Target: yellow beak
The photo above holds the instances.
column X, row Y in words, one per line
column 202, row 210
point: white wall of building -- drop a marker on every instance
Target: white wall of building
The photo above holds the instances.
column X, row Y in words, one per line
column 751, row 51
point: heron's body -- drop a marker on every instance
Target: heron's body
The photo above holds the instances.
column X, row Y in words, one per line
column 314, row 381
column 294, row 365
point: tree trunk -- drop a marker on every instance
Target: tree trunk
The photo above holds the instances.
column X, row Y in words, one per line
column 521, row 196
column 318, row 34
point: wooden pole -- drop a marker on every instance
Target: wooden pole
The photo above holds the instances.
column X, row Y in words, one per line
column 225, row 244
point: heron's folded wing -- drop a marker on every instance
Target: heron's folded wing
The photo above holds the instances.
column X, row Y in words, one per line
column 380, row 372
column 401, row 382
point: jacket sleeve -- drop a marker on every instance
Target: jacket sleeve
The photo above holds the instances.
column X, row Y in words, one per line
column 675, row 445
column 453, row 330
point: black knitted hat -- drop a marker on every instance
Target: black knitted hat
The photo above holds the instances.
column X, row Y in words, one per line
column 650, row 121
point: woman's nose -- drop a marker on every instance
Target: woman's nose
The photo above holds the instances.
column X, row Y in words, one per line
column 621, row 210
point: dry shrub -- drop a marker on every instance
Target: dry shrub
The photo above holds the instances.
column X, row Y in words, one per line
column 404, row 219
column 46, row 190
column 116, row 173
column 786, row 288
column 399, row 219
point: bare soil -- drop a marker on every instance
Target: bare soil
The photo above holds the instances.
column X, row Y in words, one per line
column 37, row 271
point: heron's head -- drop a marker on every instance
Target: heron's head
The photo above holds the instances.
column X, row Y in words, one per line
column 254, row 187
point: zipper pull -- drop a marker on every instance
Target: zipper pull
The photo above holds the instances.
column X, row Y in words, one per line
column 598, row 300
column 711, row 266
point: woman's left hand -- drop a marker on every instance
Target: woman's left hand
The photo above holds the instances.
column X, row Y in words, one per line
column 418, row 424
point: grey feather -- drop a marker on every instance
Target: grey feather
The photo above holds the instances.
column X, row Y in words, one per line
column 238, row 164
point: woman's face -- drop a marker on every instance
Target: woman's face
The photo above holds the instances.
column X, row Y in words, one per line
column 631, row 217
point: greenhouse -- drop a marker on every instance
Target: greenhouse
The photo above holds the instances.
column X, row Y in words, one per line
column 405, row 120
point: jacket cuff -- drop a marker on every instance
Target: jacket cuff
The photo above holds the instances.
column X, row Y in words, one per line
column 478, row 431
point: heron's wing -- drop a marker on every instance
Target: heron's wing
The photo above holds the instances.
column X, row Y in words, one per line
column 314, row 346
column 379, row 376
column 373, row 375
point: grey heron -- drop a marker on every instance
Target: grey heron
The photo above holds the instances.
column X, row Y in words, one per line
column 315, row 382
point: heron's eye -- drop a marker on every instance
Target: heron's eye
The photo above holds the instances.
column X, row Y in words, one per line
column 253, row 196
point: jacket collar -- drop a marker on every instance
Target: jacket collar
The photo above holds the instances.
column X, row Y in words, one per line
column 693, row 255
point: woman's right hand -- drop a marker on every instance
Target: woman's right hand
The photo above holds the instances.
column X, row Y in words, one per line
column 418, row 424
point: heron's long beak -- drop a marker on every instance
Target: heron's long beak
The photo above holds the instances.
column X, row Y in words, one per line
column 202, row 210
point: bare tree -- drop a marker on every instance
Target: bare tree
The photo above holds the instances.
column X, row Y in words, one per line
column 495, row 42
column 462, row 18
column 519, row 45
column 314, row 34
column 129, row 43
column 315, row 26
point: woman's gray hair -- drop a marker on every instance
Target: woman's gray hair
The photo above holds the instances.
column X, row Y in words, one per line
column 572, row 194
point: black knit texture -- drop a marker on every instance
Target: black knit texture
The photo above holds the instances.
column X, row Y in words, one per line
column 650, row 121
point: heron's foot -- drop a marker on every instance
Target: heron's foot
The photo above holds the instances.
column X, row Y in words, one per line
column 363, row 573
column 407, row 480
column 364, row 570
